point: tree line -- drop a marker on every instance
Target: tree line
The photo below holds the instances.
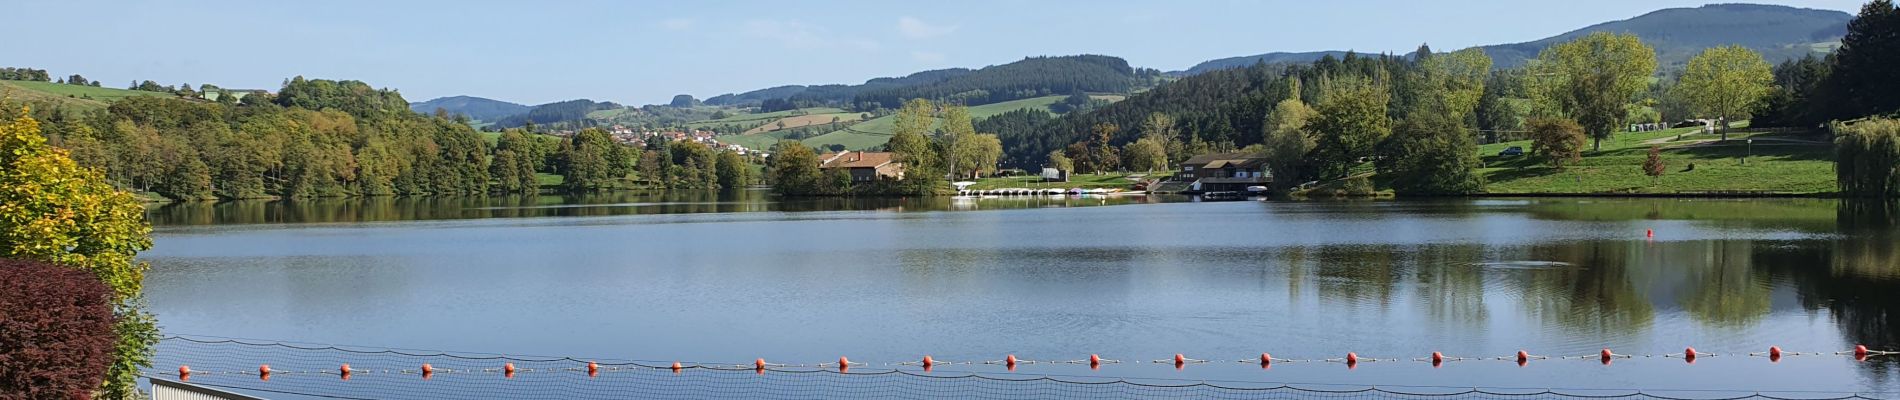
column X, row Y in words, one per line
column 323, row 138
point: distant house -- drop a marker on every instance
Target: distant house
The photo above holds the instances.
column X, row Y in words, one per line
column 864, row 166
column 1054, row 175
column 1224, row 172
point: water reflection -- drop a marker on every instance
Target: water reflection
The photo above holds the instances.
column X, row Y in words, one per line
column 380, row 209
column 1470, row 277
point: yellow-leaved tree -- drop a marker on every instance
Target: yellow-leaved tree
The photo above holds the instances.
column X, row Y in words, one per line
column 55, row 211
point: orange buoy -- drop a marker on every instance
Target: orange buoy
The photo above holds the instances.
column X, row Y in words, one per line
column 1437, row 359
column 1095, row 361
column 928, row 362
column 593, row 369
column 1860, row 352
column 1689, row 355
column 508, row 370
column 1774, row 353
column 843, row 364
column 1523, row 358
column 263, row 372
column 758, row 366
column 1010, row 362
column 676, row 367
column 427, row 371
column 344, row 371
column 184, row 373
column 1352, row 360
column 1266, row 361
column 1606, row 355
column 1179, row 360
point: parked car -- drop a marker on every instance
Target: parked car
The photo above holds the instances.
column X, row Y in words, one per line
column 1514, row 151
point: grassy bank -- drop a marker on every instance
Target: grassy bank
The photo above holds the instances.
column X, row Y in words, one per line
column 1697, row 164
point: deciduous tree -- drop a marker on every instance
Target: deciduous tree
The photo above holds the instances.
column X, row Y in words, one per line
column 1592, row 79
column 1726, row 83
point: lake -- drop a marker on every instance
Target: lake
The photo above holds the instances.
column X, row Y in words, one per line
column 731, row 278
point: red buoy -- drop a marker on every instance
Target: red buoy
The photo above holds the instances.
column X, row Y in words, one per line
column 1523, row 358
column 1606, row 355
column 928, row 362
column 263, row 372
column 593, row 369
column 1010, row 361
column 1179, row 360
column 184, row 373
column 758, row 365
column 1437, row 359
column 1860, row 352
column 1266, row 361
column 1095, row 361
column 1774, row 353
column 1352, row 360
column 676, row 367
column 508, row 370
column 843, row 364
column 1689, row 355
column 427, row 371
column 1649, row 232
column 344, row 372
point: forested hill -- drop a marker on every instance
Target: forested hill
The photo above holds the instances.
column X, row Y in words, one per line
column 1777, row 32
column 1269, row 58
column 474, row 107
column 1030, row 77
column 571, row 110
column 833, row 92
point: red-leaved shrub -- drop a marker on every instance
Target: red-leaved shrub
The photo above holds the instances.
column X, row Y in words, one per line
column 55, row 331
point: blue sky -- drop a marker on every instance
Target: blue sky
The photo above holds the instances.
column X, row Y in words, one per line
column 631, row 52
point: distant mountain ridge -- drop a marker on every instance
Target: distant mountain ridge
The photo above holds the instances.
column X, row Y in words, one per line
column 474, row 107
column 1778, row 32
column 1026, row 78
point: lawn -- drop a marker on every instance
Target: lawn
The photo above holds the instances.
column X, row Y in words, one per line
column 1085, row 181
column 1770, row 167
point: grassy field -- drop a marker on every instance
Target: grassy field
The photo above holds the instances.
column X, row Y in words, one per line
column 742, row 119
column 104, row 94
column 875, row 132
column 1085, row 181
column 85, row 97
column 1775, row 164
column 804, row 121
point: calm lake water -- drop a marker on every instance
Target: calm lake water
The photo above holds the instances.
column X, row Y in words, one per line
column 730, row 278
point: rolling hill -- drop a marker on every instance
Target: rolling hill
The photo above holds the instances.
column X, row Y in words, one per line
column 474, row 107
column 1778, row 32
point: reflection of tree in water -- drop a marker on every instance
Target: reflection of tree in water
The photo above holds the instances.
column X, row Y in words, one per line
column 1854, row 276
column 1359, row 273
column 1451, row 283
column 411, row 208
column 1725, row 288
column 1598, row 297
column 1865, row 263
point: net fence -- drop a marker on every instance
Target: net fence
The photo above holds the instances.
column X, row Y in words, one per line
column 300, row 371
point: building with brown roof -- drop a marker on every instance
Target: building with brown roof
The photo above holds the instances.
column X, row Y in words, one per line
column 865, row 166
column 1224, row 172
